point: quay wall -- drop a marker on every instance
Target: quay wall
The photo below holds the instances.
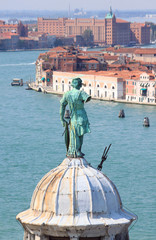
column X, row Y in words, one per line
column 97, row 85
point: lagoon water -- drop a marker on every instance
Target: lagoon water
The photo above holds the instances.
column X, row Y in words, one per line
column 31, row 144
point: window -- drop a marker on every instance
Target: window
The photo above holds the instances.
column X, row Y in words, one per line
column 98, row 93
column 98, row 85
column 105, row 94
column 113, row 87
column 90, row 84
column 105, row 86
column 90, row 92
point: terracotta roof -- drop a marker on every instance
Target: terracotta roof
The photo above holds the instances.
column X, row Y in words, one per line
column 70, row 62
column 148, row 63
column 117, row 65
column 121, row 50
column 9, row 25
column 58, row 49
column 118, row 20
column 135, row 24
column 83, row 57
column 92, row 61
column 109, row 57
column 145, row 51
column 125, row 74
column 93, row 52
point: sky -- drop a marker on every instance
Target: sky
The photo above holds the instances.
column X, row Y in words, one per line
column 85, row 4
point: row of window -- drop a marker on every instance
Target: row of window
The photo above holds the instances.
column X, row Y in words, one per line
column 88, row 84
column 90, row 91
column 133, row 83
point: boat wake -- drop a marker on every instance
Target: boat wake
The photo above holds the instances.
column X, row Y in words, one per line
column 16, row 64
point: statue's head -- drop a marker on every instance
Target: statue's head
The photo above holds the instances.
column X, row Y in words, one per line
column 76, row 83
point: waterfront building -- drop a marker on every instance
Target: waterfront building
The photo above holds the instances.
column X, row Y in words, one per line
column 68, row 59
column 142, row 90
column 108, row 31
column 131, row 86
column 9, row 41
column 140, row 33
column 52, row 26
column 20, row 29
column 119, row 81
column 138, row 54
column 100, row 85
column 145, row 55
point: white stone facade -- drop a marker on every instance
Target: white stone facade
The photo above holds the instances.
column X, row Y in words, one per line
column 98, row 86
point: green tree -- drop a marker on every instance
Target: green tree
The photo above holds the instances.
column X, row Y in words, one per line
column 58, row 42
column 88, row 37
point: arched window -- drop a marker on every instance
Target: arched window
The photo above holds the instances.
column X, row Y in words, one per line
column 56, row 81
column 113, row 87
column 98, row 85
column 90, row 84
column 62, row 86
column 105, row 86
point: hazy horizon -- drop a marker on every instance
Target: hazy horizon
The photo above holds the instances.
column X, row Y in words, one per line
column 63, row 5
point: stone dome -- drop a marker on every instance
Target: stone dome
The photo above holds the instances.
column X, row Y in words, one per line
column 75, row 195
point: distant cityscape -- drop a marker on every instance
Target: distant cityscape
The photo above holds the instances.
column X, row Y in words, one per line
column 112, row 74
column 121, row 71
column 78, row 27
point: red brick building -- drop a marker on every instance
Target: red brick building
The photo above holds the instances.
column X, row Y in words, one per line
column 52, row 26
column 20, row 29
column 105, row 31
column 70, row 59
column 140, row 33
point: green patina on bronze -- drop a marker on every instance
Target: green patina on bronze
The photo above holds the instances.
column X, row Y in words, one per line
column 78, row 123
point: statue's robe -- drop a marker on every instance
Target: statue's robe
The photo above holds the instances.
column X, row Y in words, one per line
column 79, row 124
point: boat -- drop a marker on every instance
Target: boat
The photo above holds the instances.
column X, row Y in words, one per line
column 17, row 82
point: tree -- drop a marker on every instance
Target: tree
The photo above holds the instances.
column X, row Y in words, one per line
column 88, row 37
column 58, row 42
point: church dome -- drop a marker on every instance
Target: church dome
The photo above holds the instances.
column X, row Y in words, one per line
column 75, row 195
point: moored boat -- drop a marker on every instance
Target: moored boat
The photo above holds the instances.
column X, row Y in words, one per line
column 17, row 82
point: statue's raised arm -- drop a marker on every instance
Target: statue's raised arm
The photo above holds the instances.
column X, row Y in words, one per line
column 78, row 123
